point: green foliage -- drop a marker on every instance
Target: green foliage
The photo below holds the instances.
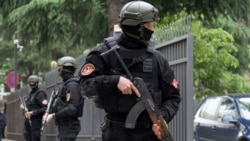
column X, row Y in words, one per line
column 179, row 25
column 241, row 34
column 238, row 10
column 74, row 24
column 213, row 61
column 4, row 68
column 51, row 29
column 6, row 61
column 8, row 5
column 7, row 50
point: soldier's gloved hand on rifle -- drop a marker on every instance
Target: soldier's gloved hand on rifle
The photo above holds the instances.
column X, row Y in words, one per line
column 127, row 87
column 28, row 114
column 21, row 107
column 45, row 116
column 156, row 130
column 50, row 117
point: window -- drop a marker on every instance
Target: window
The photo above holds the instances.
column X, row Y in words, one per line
column 208, row 111
column 226, row 108
column 244, row 104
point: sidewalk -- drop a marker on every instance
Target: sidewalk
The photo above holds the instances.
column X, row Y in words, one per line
column 7, row 140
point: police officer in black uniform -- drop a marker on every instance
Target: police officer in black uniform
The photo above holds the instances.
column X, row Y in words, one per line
column 103, row 78
column 67, row 109
column 36, row 103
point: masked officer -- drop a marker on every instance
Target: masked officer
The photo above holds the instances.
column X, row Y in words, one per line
column 69, row 103
column 36, row 103
column 103, row 78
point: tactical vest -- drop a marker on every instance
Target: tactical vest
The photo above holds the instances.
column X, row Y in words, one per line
column 61, row 102
column 32, row 101
column 141, row 63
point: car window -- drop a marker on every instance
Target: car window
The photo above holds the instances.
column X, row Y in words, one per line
column 208, row 110
column 226, row 108
column 244, row 104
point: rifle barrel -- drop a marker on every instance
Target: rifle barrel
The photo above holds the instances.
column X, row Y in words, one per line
column 25, row 107
column 51, row 99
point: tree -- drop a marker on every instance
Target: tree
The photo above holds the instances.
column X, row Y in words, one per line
column 241, row 34
column 114, row 8
column 4, row 68
column 54, row 28
column 50, row 29
column 213, row 61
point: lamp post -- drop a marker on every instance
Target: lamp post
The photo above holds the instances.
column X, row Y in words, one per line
column 15, row 59
column 16, row 46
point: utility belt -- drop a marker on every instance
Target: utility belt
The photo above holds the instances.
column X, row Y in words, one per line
column 141, row 123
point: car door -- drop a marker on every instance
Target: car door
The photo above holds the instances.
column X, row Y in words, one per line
column 205, row 118
column 223, row 130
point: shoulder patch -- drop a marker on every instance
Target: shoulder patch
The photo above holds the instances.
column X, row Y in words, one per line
column 87, row 69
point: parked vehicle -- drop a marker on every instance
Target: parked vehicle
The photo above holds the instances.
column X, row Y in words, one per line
column 223, row 118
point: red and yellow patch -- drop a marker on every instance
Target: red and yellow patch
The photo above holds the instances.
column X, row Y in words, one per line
column 87, row 69
column 175, row 83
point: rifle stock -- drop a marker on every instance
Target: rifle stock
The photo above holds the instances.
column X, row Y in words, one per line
column 152, row 110
column 161, row 122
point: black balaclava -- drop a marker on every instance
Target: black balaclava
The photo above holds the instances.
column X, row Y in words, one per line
column 34, row 87
column 138, row 32
column 66, row 72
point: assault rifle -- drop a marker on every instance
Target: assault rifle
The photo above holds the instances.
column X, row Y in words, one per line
column 25, row 106
column 51, row 100
column 145, row 102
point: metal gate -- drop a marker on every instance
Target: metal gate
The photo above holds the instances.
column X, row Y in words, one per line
column 179, row 52
column 180, row 56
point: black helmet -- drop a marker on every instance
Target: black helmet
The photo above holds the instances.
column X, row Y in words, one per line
column 137, row 12
column 33, row 78
column 67, row 61
column 33, row 81
column 66, row 64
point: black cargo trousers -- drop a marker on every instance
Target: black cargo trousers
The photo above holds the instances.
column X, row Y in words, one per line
column 32, row 132
column 116, row 131
column 68, row 128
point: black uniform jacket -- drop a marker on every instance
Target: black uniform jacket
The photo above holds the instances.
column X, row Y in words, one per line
column 68, row 100
column 35, row 102
column 97, row 81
